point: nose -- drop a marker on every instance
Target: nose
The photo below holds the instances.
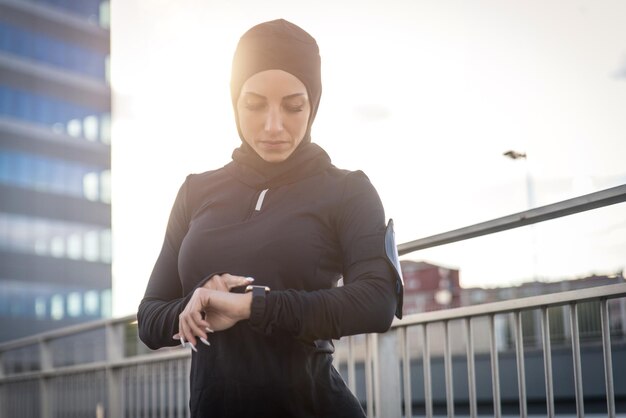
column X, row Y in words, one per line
column 274, row 120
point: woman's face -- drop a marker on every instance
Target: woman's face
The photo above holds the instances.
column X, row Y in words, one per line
column 273, row 110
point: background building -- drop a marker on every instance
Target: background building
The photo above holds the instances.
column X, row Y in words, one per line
column 55, row 209
column 429, row 287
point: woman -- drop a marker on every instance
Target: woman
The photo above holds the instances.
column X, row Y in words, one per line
column 281, row 216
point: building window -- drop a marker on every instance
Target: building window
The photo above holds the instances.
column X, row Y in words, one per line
column 74, row 128
column 60, row 239
column 105, row 304
column 105, row 186
column 54, row 175
column 92, row 305
column 57, row 310
column 60, row 116
column 57, row 247
column 91, row 250
column 74, row 247
column 90, row 186
column 105, row 246
column 74, row 304
column 90, row 128
column 40, row 308
column 45, row 48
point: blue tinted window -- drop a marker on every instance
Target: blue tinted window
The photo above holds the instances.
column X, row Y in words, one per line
column 4, row 167
column 41, row 167
column 20, row 172
column 46, row 110
column 50, row 50
column 51, row 237
column 42, row 173
column 5, row 100
column 22, row 105
column 19, row 299
column 84, row 8
column 4, row 37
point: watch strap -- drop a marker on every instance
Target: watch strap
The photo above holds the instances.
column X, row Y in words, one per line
column 257, row 308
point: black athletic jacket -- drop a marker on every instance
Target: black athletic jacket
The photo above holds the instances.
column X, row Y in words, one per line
column 298, row 234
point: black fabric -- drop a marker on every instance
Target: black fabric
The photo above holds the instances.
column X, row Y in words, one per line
column 304, row 238
column 306, row 161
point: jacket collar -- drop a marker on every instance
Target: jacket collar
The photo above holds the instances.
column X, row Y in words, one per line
column 308, row 160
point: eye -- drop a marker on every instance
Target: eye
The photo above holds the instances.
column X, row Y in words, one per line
column 294, row 107
column 254, row 105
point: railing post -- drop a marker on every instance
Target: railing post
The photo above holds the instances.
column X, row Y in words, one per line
column 389, row 369
column 3, row 398
column 608, row 361
column 351, row 366
column 114, row 352
column 578, row 381
column 622, row 310
column 45, row 391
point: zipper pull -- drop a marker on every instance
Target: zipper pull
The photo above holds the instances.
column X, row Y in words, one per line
column 259, row 202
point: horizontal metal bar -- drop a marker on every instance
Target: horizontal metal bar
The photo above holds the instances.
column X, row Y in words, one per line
column 556, row 210
column 65, row 331
column 561, row 298
column 567, row 207
column 552, row 299
column 99, row 366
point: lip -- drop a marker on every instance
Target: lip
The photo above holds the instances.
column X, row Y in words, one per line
column 273, row 144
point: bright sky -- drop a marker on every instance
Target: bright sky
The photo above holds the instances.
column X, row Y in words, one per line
column 422, row 95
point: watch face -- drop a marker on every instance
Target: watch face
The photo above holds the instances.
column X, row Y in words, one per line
column 258, row 291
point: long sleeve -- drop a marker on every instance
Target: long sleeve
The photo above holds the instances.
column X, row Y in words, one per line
column 163, row 300
column 366, row 302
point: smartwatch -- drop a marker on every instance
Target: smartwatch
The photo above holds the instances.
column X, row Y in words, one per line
column 257, row 308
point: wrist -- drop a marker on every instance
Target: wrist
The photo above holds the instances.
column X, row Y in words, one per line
column 246, row 306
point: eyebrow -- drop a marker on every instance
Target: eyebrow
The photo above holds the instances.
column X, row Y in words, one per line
column 291, row 96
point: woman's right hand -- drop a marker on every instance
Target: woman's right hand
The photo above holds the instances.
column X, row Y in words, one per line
column 191, row 322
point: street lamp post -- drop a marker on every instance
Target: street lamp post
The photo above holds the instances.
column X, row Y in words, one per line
column 530, row 202
column 530, row 197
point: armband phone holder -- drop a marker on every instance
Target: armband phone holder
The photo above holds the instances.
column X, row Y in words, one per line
column 391, row 251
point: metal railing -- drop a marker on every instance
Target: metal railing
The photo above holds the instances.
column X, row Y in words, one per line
column 101, row 369
column 389, row 375
column 115, row 376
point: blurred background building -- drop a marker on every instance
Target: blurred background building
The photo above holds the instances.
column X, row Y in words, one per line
column 55, row 160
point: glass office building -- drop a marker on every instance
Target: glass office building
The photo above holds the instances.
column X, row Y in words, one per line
column 55, row 160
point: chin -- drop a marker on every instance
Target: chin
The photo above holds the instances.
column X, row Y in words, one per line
column 273, row 158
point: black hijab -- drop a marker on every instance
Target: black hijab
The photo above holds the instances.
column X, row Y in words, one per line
column 281, row 45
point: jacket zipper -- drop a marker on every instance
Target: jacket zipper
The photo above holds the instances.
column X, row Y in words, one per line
column 259, row 202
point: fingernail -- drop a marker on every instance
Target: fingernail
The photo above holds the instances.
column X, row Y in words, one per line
column 250, row 279
column 182, row 342
column 209, row 329
column 193, row 348
column 204, row 341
